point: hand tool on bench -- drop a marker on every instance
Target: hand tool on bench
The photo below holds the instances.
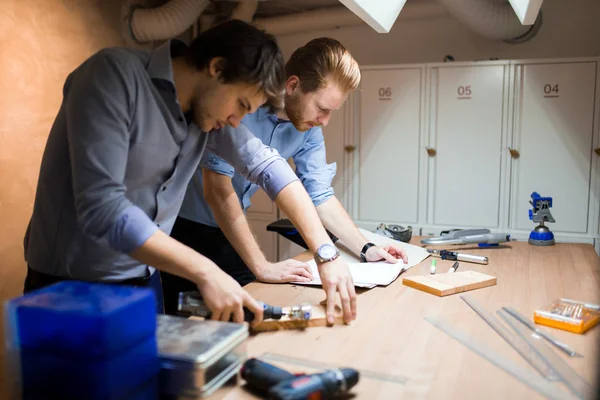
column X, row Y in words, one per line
column 483, row 237
column 455, row 256
column 190, row 303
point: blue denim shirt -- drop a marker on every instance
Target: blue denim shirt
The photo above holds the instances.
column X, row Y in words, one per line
column 117, row 164
column 307, row 150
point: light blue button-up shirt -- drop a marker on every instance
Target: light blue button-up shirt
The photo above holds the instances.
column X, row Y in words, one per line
column 118, row 162
column 307, row 150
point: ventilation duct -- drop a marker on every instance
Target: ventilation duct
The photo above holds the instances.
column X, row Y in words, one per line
column 338, row 17
column 493, row 19
column 163, row 22
column 314, row 20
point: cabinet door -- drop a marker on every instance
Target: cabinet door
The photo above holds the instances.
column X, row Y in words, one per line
column 467, row 110
column 554, row 113
column 390, row 122
column 337, row 135
column 260, row 214
column 266, row 240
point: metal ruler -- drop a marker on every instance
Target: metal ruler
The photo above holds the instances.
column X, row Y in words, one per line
column 576, row 384
column 399, row 379
column 559, row 345
column 517, row 342
column 527, row 377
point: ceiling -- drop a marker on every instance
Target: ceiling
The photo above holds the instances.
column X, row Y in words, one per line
column 270, row 8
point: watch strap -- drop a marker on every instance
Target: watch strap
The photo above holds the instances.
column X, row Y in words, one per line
column 363, row 252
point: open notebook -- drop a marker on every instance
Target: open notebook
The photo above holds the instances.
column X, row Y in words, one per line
column 372, row 274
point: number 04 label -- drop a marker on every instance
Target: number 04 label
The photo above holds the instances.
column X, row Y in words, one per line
column 551, row 90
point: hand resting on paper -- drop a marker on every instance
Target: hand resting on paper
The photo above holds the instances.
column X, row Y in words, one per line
column 388, row 252
column 285, row 271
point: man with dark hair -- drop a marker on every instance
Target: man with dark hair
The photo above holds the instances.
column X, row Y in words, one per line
column 127, row 139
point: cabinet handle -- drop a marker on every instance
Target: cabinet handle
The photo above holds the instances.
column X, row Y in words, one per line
column 597, row 151
column 514, row 153
column 349, row 149
column 431, row 152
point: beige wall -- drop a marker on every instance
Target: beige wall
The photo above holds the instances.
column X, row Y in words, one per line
column 571, row 29
column 41, row 41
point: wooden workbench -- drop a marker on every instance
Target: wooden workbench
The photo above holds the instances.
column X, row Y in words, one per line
column 391, row 337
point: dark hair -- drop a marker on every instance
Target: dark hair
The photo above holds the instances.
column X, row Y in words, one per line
column 251, row 56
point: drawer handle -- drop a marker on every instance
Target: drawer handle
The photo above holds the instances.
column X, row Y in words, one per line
column 514, row 153
column 431, row 152
column 349, row 149
column 597, row 150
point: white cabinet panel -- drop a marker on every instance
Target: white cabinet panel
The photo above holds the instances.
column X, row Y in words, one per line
column 467, row 108
column 260, row 214
column 261, row 204
column 390, row 122
column 335, row 139
column 553, row 134
column 288, row 249
column 266, row 240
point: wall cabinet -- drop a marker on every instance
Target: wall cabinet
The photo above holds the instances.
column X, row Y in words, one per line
column 466, row 115
column 388, row 146
column 553, row 130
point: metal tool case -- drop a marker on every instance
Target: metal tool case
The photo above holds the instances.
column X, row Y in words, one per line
column 197, row 357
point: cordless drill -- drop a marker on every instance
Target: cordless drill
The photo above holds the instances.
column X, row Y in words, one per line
column 279, row 384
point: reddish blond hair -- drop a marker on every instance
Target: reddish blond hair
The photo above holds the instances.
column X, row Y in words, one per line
column 322, row 59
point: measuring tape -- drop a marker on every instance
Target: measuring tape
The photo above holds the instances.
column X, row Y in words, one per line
column 399, row 379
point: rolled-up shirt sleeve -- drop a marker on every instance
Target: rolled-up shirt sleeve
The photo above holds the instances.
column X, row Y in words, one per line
column 255, row 161
column 98, row 105
column 216, row 164
column 312, row 168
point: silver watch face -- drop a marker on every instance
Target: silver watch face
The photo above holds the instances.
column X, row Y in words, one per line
column 327, row 252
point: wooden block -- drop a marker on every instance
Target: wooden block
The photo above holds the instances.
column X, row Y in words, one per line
column 318, row 318
column 452, row 283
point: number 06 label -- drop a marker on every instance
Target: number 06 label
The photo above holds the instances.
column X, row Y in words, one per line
column 385, row 93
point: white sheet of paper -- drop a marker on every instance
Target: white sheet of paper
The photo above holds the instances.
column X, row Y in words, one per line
column 372, row 274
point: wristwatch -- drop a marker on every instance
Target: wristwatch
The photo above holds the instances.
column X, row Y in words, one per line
column 363, row 252
column 325, row 253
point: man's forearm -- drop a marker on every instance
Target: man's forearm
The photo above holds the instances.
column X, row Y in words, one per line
column 167, row 254
column 335, row 218
column 296, row 204
column 232, row 221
